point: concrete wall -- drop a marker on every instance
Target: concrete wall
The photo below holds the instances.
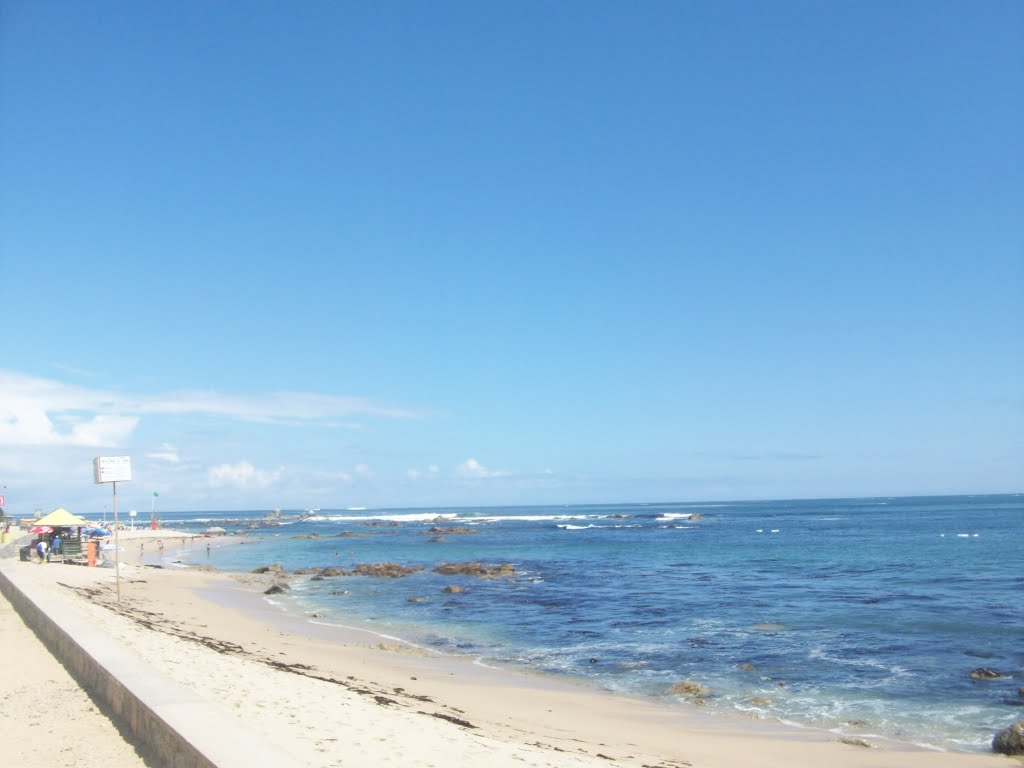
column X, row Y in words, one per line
column 176, row 727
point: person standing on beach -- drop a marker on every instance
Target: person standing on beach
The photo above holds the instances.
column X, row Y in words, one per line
column 41, row 546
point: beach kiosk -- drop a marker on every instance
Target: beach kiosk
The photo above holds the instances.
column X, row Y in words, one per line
column 61, row 520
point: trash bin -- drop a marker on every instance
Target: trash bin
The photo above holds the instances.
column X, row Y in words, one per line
column 24, row 554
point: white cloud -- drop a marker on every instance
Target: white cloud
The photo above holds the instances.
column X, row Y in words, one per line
column 166, row 453
column 473, row 470
column 242, row 474
column 37, row 411
column 363, row 470
column 413, row 474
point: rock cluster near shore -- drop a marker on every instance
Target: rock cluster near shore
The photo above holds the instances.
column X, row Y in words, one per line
column 389, row 570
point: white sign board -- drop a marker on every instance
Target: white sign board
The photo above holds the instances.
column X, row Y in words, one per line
column 112, row 469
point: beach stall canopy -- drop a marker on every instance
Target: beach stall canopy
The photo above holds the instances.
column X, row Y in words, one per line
column 61, row 518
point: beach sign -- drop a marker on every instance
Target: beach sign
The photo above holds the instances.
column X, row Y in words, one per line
column 112, row 469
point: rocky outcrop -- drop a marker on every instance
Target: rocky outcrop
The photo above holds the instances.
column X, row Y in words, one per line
column 276, row 589
column 272, row 568
column 691, row 689
column 1010, row 741
column 307, row 536
column 477, row 569
column 453, row 589
column 694, row 516
column 386, row 570
column 305, row 571
column 454, row 530
column 984, row 673
column 333, row 571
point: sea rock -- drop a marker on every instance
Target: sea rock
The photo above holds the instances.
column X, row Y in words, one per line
column 476, row 569
column 415, row 599
column 453, row 589
column 272, row 568
column 316, row 615
column 382, row 524
column 276, row 589
column 690, row 688
column 452, row 530
column 307, row 536
column 347, row 535
column 386, row 570
column 1020, row 691
column 304, row 571
column 984, row 673
column 694, row 516
column 1010, row 741
column 333, row 571
column 746, row 667
column 437, row 539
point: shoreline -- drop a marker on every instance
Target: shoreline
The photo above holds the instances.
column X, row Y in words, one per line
column 216, row 633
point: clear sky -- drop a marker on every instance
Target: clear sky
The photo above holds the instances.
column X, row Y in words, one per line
column 330, row 254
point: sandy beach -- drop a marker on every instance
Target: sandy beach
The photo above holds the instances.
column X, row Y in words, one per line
column 332, row 696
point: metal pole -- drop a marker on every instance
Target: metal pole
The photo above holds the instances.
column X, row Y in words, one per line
column 117, row 561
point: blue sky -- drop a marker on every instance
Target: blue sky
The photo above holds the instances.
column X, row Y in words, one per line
column 412, row 254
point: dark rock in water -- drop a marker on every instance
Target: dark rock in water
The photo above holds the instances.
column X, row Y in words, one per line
column 307, row 536
column 593, row 660
column 333, row 571
column 1010, row 741
column 415, row 599
column 276, row 589
column 386, row 570
column 341, row 592
column 452, row 589
column 272, row 568
column 347, row 535
column 690, row 688
column 437, row 539
column 316, row 615
column 694, row 516
column 304, row 571
column 455, row 530
column 476, row 569
column 746, row 667
column 984, row 673
column 318, row 577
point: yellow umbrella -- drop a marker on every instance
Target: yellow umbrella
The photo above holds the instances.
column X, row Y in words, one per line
column 61, row 518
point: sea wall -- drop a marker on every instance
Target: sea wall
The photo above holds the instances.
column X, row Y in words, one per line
column 174, row 727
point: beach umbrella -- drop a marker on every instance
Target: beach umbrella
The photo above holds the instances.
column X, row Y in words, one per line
column 40, row 529
column 61, row 518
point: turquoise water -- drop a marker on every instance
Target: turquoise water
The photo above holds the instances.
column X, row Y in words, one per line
column 865, row 615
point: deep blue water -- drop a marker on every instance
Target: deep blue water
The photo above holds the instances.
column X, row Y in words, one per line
column 862, row 615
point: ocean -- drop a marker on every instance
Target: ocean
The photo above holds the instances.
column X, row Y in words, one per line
column 863, row 616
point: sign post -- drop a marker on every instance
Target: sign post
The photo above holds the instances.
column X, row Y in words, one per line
column 113, row 469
